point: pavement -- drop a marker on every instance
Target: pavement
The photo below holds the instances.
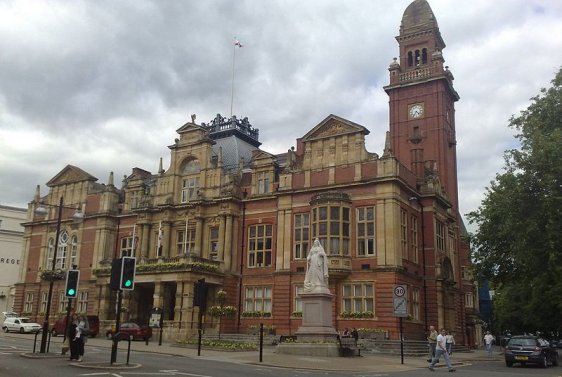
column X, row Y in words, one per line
column 367, row 362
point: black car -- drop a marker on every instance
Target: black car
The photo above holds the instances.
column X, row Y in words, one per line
column 527, row 349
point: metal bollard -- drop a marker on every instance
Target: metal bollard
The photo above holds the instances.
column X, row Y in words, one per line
column 35, row 341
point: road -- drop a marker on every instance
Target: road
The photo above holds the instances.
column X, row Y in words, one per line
column 154, row 364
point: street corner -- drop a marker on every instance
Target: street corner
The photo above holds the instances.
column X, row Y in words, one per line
column 105, row 365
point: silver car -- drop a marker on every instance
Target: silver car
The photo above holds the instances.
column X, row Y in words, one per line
column 21, row 325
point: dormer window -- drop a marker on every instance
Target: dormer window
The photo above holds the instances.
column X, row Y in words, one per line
column 263, row 183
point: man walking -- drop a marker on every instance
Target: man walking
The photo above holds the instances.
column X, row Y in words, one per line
column 488, row 342
column 431, row 341
column 441, row 350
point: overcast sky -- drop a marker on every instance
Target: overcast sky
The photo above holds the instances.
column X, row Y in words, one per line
column 103, row 85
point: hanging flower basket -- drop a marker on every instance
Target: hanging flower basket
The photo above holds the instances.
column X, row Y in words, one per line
column 222, row 311
column 53, row 275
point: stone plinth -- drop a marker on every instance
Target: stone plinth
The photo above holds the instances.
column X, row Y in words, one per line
column 316, row 336
column 316, row 317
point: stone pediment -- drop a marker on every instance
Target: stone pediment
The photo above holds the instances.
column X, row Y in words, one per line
column 189, row 127
column 261, row 158
column 334, row 126
column 139, row 173
column 70, row 174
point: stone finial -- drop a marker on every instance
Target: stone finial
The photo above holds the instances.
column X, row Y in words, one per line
column 37, row 194
column 160, row 168
column 110, row 179
column 193, row 116
column 387, row 149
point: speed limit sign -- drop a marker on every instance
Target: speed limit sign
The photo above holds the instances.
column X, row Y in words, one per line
column 400, row 300
column 399, row 290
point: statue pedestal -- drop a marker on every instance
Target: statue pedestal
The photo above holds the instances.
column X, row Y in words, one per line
column 316, row 336
column 316, row 317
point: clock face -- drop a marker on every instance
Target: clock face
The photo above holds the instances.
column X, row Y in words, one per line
column 416, row 111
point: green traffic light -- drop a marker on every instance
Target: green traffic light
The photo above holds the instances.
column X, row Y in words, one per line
column 71, row 292
column 128, row 283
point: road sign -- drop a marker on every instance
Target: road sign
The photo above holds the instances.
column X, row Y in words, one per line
column 400, row 301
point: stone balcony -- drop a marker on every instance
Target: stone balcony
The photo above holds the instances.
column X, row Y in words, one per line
column 339, row 266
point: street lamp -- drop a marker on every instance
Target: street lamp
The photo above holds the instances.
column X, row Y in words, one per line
column 78, row 216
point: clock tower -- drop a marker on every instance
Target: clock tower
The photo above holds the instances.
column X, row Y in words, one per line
column 422, row 98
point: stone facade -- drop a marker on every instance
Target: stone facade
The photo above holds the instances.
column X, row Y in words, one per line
column 11, row 261
column 244, row 219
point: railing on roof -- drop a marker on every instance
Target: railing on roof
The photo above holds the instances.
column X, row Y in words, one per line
column 222, row 124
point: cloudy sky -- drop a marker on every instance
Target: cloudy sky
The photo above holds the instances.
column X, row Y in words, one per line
column 103, row 85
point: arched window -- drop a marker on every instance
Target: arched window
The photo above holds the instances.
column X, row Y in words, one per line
column 50, row 251
column 62, row 251
column 190, row 181
column 410, row 59
column 191, row 167
column 73, row 251
column 424, row 56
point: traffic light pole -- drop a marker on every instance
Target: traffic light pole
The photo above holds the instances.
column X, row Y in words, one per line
column 117, row 325
column 67, row 324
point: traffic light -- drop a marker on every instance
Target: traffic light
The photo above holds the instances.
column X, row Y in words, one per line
column 200, row 294
column 71, row 286
column 115, row 279
column 128, row 267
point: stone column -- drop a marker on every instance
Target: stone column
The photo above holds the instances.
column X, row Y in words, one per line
column 145, row 243
column 198, row 236
column 166, row 252
column 221, row 243
column 228, row 244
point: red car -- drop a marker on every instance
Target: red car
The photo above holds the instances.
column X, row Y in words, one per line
column 132, row 331
column 93, row 323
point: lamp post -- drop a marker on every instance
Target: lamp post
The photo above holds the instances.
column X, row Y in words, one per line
column 77, row 216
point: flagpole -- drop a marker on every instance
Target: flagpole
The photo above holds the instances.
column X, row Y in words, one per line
column 159, row 246
column 232, row 87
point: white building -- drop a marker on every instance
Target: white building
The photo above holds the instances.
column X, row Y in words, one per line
column 11, row 241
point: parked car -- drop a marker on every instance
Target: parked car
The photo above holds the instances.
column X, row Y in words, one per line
column 528, row 349
column 93, row 322
column 21, row 325
column 132, row 331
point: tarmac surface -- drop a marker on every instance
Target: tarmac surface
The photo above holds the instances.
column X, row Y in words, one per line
column 367, row 362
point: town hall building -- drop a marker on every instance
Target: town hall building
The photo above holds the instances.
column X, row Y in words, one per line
column 244, row 219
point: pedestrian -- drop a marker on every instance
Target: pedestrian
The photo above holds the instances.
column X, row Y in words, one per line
column 74, row 339
column 431, row 341
column 450, row 341
column 488, row 342
column 84, row 329
column 355, row 336
column 441, row 350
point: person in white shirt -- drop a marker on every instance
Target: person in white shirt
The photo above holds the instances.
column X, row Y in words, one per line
column 441, row 349
column 488, row 342
column 450, row 341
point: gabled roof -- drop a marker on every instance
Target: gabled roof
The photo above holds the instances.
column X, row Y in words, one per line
column 333, row 125
column 70, row 174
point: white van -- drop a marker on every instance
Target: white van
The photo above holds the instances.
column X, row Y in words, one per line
column 21, row 325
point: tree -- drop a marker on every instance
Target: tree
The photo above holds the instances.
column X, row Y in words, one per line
column 518, row 244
